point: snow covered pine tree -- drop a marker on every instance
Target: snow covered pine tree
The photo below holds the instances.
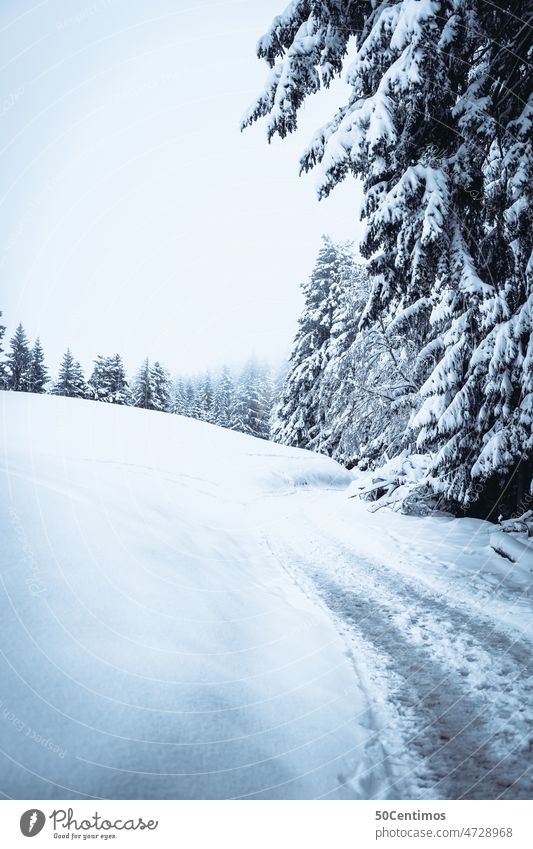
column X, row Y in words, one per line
column 117, row 381
column 205, row 398
column 224, row 400
column 253, row 401
column 162, row 388
column 3, row 372
column 151, row 388
column 348, row 393
column 438, row 127
column 70, row 381
column 367, row 390
column 142, row 390
column 179, row 401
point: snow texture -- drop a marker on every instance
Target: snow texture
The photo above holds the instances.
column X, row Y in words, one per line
column 190, row 612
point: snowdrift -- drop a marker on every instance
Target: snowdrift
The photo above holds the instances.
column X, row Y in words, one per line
column 152, row 645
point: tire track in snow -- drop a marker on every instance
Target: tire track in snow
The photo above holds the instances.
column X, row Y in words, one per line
column 452, row 684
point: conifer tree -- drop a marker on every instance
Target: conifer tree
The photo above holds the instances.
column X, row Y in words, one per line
column 3, row 370
column 190, row 402
column 252, row 407
column 162, row 388
column 142, row 391
column 363, row 388
column 178, row 401
column 196, row 400
column 224, row 400
column 38, row 374
column 70, row 381
column 298, row 419
column 96, row 382
column 117, row 381
column 108, row 380
column 19, row 362
column 368, row 389
column 205, row 398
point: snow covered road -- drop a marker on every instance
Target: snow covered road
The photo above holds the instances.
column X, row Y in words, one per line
column 441, row 634
column 188, row 612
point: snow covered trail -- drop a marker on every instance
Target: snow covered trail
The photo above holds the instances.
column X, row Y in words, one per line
column 188, row 612
column 151, row 645
column 441, row 635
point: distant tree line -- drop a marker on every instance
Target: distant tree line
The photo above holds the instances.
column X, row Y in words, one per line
column 241, row 400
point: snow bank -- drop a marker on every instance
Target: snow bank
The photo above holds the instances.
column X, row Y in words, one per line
column 152, row 645
column 514, row 540
column 398, row 484
column 79, row 430
column 392, row 484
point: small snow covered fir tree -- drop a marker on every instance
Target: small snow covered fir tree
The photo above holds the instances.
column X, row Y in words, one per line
column 205, row 398
column 19, row 362
column 190, row 405
column 298, row 417
column 38, row 374
column 179, row 401
column 252, row 406
column 162, row 388
column 142, row 390
column 354, row 387
column 438, row 126
column 3, row 370
column 118, row 383
column 151, row 388
column 70, row 381
column 108, row 381
column 224, row 400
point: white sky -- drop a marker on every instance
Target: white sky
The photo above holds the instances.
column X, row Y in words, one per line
column 135, row 217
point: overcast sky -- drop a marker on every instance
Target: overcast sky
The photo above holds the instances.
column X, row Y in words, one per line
column 135, row 217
